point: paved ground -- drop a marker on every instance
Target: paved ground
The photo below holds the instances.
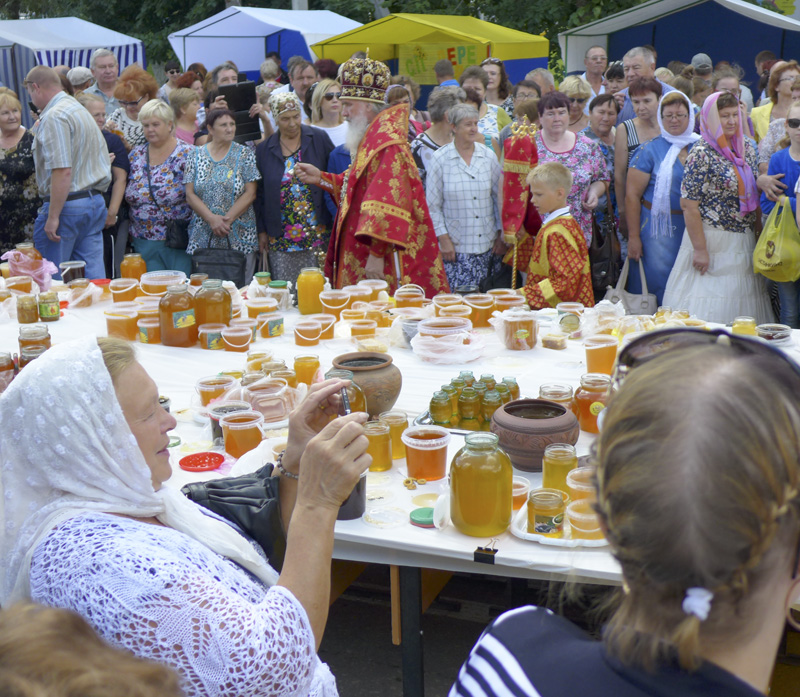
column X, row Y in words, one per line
column 358, row 647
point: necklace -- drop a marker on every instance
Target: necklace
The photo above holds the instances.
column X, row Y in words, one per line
column 572, row 123
column 288, row 149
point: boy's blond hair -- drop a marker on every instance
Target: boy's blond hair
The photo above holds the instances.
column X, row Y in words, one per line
column 552, row 174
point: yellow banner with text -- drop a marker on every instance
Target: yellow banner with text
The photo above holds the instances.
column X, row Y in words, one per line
column 417, row 60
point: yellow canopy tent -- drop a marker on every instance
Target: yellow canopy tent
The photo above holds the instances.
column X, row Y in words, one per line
column 417, row 41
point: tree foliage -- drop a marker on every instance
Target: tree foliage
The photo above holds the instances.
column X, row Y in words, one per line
column 153, row 20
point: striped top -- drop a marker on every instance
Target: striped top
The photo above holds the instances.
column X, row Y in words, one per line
column 531, row 652
column 67, row 136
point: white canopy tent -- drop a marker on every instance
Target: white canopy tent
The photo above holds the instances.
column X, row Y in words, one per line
column 730, row 30
column 245, row 34
column 25, row 43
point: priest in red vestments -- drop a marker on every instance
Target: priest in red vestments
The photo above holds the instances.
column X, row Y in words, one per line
column 383, row 229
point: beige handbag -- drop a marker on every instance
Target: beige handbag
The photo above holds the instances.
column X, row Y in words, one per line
column 643, row 303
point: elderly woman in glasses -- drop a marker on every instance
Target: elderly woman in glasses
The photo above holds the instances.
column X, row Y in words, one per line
column 713, row 272
column 578, row 91
column 293, row 222
column 498, row 91
column 704, row 523
column 135, row 88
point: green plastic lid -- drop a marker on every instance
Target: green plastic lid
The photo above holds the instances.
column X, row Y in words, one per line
column 422, row 517
column 277, row 284
column 262, row 274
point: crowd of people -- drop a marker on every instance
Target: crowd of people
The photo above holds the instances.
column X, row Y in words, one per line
column 427, row 196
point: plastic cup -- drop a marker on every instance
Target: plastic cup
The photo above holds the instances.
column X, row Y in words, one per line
column 122, row 323
column 251, row 324
column 334, row 301
column 580, row 483
column 455, row 311
column 257, row 358
column 359, row 293
column 257, row 306
column 569, row 308
column 156, row 282
column 519, row 492
column 270, row 324
column 210, row 336
column 213, row 387
column 236, row 338
column 21, row 284
column 482, row 305
column 583, row 521
column 147, row 307
column 327, row 321
column 426, row 452
column 443, row 300
column 241, row 432
column 363, row 328
column 375, row 285
column 287, row 374
column 350, row 315
column 123, row 289
column 278, row 448
column 149, row 330
column 307, row 333
column 70, row 270
column 380, row 445
column 305, row 367
column 601, row 352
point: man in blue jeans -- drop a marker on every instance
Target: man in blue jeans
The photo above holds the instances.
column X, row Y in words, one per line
column 72, row 172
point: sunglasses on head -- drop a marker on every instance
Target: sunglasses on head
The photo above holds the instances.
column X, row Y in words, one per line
column 793, row 123
column 492, row 61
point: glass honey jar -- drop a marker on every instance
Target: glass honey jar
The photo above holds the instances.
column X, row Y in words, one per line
column 213, row 304
column 590, row 399
column 469, row 407
column 132, row 266
column 49, row 307
column 27, row 309
column 37, row 335
column 441, row 409
column 176, row 313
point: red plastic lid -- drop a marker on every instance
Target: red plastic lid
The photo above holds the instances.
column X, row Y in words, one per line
column 101, row 281
column 201, row 462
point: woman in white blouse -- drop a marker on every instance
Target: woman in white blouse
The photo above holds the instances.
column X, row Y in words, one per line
column 326, row 110
column 89, row 527
column 462, row 192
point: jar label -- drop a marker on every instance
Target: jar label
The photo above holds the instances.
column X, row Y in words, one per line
column 548, row 525
column 214, row 341
column 521, row 334
column 183, row 319
column 144, row 335
column 49, row 310
column 275, row 327
column 596, row 408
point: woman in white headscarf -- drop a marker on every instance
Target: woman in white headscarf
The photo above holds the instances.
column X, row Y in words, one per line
column 89, row 527
column 653, row 195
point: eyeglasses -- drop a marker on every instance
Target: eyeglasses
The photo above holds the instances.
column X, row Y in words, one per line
column 124, row 103
column 793, row 123
column 330, row 96
column 172, row 71
column 491, row 61
column 674, row 117
column 578, row 100
column 27, row 84
column 788, row 79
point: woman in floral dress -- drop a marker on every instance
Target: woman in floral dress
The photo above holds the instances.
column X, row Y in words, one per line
column 161, row 197
column 221, row 181
column 292, row 217
column 19, row 195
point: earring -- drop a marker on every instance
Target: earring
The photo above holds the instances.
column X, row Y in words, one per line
column 791, row 600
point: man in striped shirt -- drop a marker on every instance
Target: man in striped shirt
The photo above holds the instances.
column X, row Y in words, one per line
column 72, row 171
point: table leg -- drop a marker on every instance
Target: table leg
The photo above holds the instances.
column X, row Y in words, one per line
column 411, row 631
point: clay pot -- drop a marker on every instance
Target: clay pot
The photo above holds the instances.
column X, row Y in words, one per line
column 379, row 379
column 526, row 426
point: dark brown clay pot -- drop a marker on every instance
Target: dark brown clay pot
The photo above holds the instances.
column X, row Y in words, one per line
column 379, row 379
column 527, row 426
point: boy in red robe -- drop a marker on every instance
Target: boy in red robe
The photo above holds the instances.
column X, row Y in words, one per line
column 558, row 269
column 383, row 229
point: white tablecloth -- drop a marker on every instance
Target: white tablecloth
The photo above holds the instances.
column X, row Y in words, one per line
column 176, row 371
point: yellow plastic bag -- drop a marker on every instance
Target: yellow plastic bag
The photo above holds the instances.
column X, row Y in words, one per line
column 777, row 252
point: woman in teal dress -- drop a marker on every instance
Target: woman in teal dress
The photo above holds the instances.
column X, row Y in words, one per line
column 653, row 195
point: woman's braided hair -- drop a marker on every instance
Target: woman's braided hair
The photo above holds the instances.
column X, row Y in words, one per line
column 697, row 480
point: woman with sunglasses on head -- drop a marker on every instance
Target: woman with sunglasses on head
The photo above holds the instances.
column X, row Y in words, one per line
column 644, row 93
column 326, row 110
column 779, row 88
column 134, row 89
column 578, row 92
column 697, row 495
column 498, row 91
column 713, row 273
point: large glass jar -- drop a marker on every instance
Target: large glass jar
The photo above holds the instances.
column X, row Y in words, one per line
column 310, row 283
column 591, row 398
column 480, row 487
column 177, row 318
column 132, row 266
column 213, row 304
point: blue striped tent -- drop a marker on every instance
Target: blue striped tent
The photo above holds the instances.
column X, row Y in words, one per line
column 25, row 43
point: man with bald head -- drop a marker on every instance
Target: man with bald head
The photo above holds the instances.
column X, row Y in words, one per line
column 72, row 172
column 638, row 62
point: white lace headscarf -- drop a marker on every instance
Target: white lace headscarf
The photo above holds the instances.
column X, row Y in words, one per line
column 661, row 208
column 66, row 449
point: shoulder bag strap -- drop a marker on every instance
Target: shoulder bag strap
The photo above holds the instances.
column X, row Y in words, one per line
column 149, row 182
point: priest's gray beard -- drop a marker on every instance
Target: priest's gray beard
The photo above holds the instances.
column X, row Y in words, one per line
column 355, row 134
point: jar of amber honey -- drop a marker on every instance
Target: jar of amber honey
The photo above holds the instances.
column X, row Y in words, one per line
column 6, row 371
column 310, row 283
column 34, row 336
column 441, row 409
column 27, row 354
column 213, row 303
column 49, row 308
column 591, row 398
column 176, row 313
column 27, row 309
column 480, row 487
column 132, row 266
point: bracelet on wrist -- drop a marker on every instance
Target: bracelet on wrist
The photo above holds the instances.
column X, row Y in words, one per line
column 284, row 472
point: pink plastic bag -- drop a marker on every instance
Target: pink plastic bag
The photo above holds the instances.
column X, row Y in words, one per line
column 41, row 271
